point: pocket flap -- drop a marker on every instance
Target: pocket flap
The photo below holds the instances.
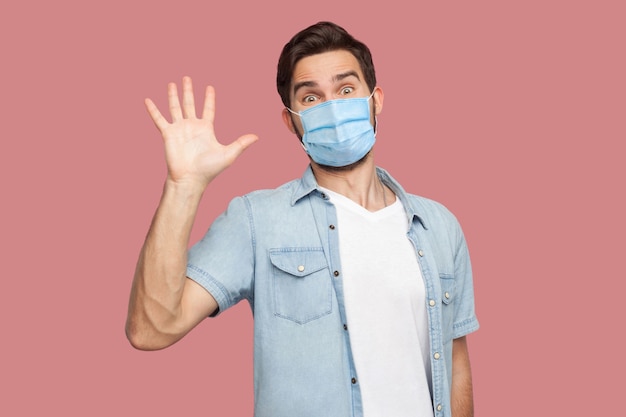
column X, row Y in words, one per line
column 447, row 289
column 298, row 262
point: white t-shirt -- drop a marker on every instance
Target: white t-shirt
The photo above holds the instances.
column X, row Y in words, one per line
column 385, row 308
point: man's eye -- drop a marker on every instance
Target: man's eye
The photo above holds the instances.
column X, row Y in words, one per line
column 309, row 99
column 346, row 90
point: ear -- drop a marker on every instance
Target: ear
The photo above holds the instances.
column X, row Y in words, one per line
column 379, row 97
column 288, row 121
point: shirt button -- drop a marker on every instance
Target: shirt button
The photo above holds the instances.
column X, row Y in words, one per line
column 354, row 380
column 436, row 355
column 447, row 295
column 324, row 196
column 332, row 227
column 301, row 268
column 420, row 253
column 345, row 327
column 439, row 407
column 336, row 273
column 431, row 303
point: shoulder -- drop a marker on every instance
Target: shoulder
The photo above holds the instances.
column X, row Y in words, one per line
column 264, row 203
column 427, row 210
column 440, row 225
column 427, row 203
column 431, row 209
column 283, row 192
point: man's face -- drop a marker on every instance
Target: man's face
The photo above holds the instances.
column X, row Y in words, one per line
column 327, row 76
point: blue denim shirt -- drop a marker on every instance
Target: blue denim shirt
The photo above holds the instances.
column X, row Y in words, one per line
column 278, row 249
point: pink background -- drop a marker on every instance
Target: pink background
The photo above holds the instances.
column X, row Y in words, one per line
column 515, row 114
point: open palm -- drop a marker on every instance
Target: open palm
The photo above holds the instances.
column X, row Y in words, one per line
column 192, row 152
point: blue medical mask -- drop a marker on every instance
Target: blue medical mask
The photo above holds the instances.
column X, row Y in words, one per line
column 338, row 132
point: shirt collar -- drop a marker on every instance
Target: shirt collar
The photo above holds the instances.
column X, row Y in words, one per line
column 305, row 186
column 409, row 206
column 308, row 184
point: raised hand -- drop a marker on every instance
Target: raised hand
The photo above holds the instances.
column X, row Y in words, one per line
column 192, row 152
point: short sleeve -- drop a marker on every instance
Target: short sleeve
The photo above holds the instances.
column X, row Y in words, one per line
column 465, row 320
column 223, row 260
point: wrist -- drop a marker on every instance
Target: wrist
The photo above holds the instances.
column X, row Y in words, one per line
column 184, row 189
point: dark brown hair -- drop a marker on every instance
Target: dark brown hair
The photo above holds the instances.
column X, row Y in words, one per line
column 316, row 39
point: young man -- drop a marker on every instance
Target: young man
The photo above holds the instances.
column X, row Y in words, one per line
column 362, row 294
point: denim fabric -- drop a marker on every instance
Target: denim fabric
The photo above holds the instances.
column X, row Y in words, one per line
column 278, row 249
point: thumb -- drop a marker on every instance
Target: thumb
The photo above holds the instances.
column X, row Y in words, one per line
column 241, row 144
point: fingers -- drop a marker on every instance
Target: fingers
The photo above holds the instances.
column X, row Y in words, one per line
column 155, row 114
column 172, row 98
column 189, row 106
column 208, row 111
column 188, row 109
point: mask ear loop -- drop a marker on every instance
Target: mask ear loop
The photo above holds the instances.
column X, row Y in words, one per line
column 375, row 117
column 301, row 142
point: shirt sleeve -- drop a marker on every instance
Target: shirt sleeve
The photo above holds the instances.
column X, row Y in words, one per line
column 465, row 320
column 223, row 260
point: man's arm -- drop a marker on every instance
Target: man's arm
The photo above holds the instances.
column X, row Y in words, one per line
column 164, row 304
column 461, row 400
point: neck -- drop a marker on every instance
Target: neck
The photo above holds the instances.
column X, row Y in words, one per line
column 360, row 183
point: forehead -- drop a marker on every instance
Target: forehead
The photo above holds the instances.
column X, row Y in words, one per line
column 322, row 68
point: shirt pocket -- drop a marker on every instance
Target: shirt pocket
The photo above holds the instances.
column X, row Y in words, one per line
column 302, row 284
column 448, row 287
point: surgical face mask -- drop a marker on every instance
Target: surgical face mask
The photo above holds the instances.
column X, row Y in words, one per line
column 338, row 132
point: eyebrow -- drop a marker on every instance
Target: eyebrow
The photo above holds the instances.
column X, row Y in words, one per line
column 336, row 78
